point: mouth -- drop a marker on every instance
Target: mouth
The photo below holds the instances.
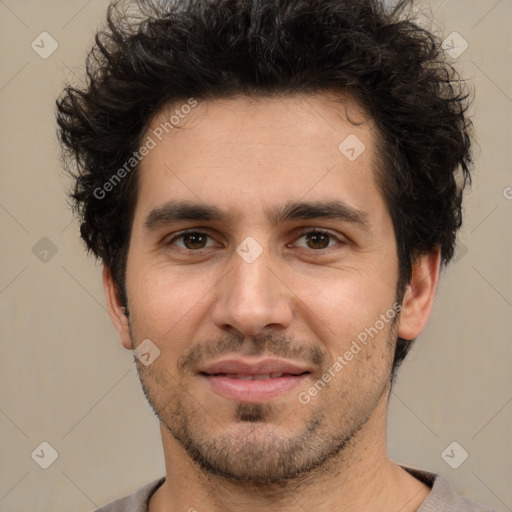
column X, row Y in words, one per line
column 253, row 381
column 244, row 376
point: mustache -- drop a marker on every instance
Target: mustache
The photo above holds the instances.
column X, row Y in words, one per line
column 276, row 345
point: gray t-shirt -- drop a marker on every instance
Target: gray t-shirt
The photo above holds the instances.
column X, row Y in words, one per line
column 442, row 497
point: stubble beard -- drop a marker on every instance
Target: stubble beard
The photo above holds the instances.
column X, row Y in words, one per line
column 252, row 449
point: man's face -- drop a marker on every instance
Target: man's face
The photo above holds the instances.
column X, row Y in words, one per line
column 258, row 289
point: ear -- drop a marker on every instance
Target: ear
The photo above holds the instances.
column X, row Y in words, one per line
column 116, row 309
column 419, row 295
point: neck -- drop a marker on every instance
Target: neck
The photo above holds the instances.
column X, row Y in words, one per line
column 361, row 478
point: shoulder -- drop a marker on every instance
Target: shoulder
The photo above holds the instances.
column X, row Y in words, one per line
column 443, row 498
column 136, row 502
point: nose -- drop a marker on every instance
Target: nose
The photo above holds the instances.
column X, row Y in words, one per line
column 252, row 298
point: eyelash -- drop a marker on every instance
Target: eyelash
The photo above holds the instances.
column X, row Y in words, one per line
column 302, row 233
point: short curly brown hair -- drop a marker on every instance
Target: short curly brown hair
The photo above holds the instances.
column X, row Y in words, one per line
column 153, row 53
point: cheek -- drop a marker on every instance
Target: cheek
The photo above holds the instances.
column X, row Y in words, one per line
column 165, row 302
column 344, row 305
column 156, row 300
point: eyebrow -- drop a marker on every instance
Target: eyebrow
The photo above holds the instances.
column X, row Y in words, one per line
column 175, row 211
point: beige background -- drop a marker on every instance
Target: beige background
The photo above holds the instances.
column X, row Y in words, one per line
column 64, row 377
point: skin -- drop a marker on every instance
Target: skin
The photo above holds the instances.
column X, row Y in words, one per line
column 304, row 299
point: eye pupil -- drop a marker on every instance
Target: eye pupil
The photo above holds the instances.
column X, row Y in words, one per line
column 318, row 238
column 194, row 240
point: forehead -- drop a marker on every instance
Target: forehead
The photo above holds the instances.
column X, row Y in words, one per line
column 267, row 148
column 266, row 120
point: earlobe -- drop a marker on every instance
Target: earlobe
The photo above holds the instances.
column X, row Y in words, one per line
column 116, row 310
column 419, row 295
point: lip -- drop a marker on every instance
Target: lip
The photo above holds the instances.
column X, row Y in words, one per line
column 252, row 367
column 253, row 391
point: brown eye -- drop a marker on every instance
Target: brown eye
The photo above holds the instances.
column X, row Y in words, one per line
column 194, row 240
column 191, row 240
column 318, row 240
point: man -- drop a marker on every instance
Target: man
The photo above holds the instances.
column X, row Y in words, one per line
column 272, row 188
